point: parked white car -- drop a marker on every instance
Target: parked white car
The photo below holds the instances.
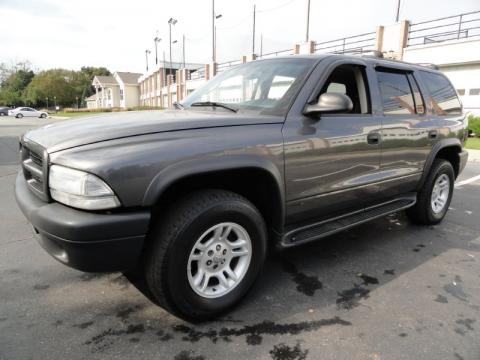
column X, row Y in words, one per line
column 26, row 111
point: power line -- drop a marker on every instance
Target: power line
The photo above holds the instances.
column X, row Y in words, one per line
column 277, row 7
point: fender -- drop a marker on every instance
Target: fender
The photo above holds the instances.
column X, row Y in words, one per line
column 442, row 144
column 178, row 171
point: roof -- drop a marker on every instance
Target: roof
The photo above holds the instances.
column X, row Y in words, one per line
column 365, row 57
column 128, row 77
column 106, row 80
column 91, row 98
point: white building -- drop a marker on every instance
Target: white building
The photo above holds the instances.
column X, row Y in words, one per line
column 121, row 90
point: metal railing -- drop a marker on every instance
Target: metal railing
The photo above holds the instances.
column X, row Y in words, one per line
column 196, row 74
column 276, row 53
column 351, row 44
column 454, row 27
column 227, row 64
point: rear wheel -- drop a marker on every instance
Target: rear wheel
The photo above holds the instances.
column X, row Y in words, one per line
column 206, row 254
column 434, row 198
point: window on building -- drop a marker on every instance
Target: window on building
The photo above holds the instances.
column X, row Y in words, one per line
column 350, row 80
column 443, row 98
column 396, row 92
column 121, row 94
column 474, row 92
column 461, row 92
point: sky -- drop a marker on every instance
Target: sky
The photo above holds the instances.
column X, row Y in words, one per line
column 115, row 34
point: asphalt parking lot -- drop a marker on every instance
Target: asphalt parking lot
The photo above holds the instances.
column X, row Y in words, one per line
column 384, row 290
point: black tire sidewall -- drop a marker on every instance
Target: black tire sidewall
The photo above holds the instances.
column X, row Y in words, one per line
column 179, row 288
column 443, row 168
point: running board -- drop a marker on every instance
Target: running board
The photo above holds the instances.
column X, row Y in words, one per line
column 328, row 227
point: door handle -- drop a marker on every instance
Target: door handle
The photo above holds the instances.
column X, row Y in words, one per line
column 373, row 138
column 432, row 134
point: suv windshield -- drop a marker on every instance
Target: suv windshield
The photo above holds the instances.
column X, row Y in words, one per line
column 265, row 87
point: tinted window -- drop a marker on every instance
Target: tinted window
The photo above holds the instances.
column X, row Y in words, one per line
column 417, row 96
column 474, row 92
column 443, row 98
column 396, row 93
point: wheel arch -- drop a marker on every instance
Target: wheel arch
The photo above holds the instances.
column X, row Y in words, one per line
column 448, row 149
column 254, row 177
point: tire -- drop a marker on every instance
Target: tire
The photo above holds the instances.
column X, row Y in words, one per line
column 19, row 116
column 425, row 212
column 43, row 116
column 171, row 245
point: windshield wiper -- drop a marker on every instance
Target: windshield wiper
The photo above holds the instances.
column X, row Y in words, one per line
column 214, row 104
column 179, row 106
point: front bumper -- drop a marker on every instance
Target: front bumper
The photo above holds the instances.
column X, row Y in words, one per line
column 84, row 240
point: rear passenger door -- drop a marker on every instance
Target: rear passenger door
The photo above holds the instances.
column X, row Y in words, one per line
column 408, row 132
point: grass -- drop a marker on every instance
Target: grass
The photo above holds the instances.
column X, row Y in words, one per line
column 473, row 143
column 73, row 114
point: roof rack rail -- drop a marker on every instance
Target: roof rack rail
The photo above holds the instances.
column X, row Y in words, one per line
column 429, row 65
column 372, row 53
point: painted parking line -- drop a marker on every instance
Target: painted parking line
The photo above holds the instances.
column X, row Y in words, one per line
column 467, row 181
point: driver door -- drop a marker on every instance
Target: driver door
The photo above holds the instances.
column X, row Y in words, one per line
column 331, row 160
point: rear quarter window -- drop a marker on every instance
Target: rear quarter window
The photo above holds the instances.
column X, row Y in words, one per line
column 443, row 98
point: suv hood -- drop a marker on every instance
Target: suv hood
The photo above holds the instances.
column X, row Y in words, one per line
column 72, row 133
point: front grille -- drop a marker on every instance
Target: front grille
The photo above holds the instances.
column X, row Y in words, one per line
column 34, row 165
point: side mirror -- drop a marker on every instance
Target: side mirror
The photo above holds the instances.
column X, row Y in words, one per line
column 330, row 103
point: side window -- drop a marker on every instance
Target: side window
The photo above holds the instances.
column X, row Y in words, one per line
column 417, row 95
column 443, row 98
column 396, row 93
column 350, row 80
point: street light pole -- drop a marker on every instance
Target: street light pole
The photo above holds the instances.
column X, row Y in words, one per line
column 398, row 11
column 146, row 58
column 156, row 41
column 47, row 102
column 55, row 103
column 307, row 36
column 171, row 22
column 183, row 50
column 213, row 31
column 253, row 38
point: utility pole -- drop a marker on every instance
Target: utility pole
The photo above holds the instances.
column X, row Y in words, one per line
column 253, row 38
column 261, row 44
column 307, row 36
column 398, row 11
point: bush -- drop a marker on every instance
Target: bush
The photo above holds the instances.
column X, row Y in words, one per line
column 474, row 125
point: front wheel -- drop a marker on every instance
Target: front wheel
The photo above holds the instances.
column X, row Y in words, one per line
column 434, row 198
column 43, row 116
column 19, row 116
column 206, row 254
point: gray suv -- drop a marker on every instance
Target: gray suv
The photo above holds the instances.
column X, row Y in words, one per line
column 272, row 153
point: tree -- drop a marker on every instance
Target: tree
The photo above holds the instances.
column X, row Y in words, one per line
column 14, row 80
column 59, row 83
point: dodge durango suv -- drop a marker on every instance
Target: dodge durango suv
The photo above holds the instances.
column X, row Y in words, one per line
column 269, row 154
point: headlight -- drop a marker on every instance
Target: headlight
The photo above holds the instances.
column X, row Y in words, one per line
column 80, row 190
